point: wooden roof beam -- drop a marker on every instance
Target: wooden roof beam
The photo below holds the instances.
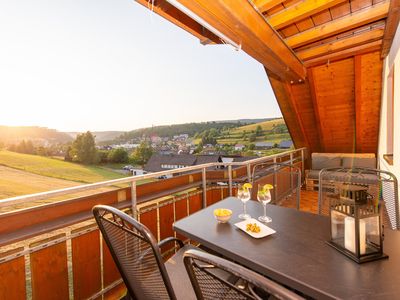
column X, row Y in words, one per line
column 300, row 11
column 243, row 24
column 170, row 13
column 392, row 23
column 264, row 5
column 345, row 43
column 354, row 20
column 358, row 50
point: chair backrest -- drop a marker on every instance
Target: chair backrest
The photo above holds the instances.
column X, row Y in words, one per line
column 380, row 185
column 285, row 178
column 136, row 254
column 213, row 277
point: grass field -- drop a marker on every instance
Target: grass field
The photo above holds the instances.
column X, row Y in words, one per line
column 267, row 125
column 235, row 136
column 56, row 168
column 15, row 182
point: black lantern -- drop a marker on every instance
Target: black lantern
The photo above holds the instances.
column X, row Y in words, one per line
column 356, row 223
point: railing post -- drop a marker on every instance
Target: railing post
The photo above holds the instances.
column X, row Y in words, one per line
column 302, row 162
column 204, row 184
column 249, row 172
column 134, row 198
column 275, row 182
column 291, row 172
column 230, row 179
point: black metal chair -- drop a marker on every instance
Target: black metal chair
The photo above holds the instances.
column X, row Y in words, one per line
column 137, row 255
column 204, row 272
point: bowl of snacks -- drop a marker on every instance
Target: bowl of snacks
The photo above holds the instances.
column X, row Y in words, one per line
column 222, row 214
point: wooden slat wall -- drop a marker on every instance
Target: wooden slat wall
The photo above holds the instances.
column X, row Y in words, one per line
column 337, row 109
column 334, row 89
column 49, row 271
column 111, row 274
column 12, row 277
column 86, row 264
column 368, row 82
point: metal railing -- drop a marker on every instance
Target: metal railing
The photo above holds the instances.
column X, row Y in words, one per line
column 61, row 228
column 134, row 179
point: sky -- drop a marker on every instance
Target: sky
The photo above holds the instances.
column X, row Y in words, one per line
column 77, row 65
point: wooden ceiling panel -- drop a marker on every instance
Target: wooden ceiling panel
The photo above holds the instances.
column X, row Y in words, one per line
column 275, row 10
column 392, row 23
column 322, row 17
column 305, row 24
column 300, row 11
column 344, row 43
column 264, row 5
column 289, row 31
column 340, row 10
column 340, row 25
column 359, row 4
column 358, row 50
column 334, row 90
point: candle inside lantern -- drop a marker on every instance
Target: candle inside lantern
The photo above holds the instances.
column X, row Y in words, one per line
column 350, row 235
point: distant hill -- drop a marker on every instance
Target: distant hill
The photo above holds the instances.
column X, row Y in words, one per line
column 101, row 136
column 38, row 135
column 247, row 121
column 190, row 128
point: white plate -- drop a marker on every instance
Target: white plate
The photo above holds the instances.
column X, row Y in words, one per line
column 264, row 230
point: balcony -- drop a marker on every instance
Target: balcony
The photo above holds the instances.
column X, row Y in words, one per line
column 52, row 248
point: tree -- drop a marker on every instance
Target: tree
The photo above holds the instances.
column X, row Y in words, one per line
column 252, row 137
column 259, row 130
column 142, row 154
column 118, row 155
column 83, row 149
column 251, row 146
column 67, row 156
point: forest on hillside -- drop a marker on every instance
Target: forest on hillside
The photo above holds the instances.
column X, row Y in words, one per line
column 189, row 128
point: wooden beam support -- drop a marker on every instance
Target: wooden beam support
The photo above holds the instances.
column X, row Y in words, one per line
column 283, row 96
column 170, row 13
column 345, row 43
column 392, row 24
column 242, row 23
column 313, row 96
column 348, row 22
column 358, row 50
column 300, row 11
column 264, row 5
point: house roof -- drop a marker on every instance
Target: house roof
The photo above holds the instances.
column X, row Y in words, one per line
column 156, row 160
column 264, row 144
column 286, row 144
column 205, row 159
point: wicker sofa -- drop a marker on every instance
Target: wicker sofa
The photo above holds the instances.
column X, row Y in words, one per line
column 321, row 161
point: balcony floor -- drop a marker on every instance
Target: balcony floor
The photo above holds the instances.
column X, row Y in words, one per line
column 308, row 201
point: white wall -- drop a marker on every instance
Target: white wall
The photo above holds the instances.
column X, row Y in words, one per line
column 393, row 59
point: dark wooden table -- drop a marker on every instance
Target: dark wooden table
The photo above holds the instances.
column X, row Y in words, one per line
column 297, row 255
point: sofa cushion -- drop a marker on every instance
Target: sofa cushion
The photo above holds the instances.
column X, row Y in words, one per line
column 359, row 162
column 323, row 162
column 313, row 174
column 345, row 177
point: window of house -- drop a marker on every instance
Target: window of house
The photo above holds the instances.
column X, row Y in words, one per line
column 390, row 117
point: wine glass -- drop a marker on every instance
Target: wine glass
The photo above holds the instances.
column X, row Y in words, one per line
column 243, row 193
column 264, row 197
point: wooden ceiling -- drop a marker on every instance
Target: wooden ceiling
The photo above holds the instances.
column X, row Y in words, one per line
column 320, row 30
column 323, row 59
